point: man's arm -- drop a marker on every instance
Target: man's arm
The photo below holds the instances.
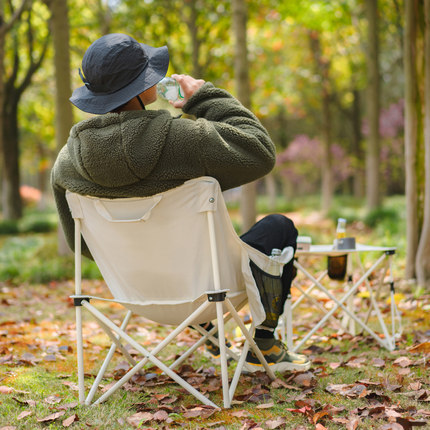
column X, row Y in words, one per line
column 230, row 142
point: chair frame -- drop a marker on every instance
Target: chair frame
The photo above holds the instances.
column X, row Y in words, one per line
column 117, row 334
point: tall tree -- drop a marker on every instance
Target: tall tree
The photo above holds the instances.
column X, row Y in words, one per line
column 411, row 136
column 5, row 27
column 373, row 106
column 322, row 66
column 241, row 67
column 16, row 83
column 422, row 263
column 63, row 108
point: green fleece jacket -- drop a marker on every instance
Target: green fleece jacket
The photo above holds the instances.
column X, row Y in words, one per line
column 142, row 153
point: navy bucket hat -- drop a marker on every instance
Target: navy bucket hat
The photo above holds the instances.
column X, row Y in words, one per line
column 117, row 68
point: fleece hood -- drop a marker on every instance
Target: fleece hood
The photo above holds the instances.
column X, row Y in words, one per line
column 128, row 145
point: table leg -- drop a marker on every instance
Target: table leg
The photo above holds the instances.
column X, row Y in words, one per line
column 339, row 303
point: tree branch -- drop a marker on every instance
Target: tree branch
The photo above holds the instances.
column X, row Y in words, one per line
column 5, row 27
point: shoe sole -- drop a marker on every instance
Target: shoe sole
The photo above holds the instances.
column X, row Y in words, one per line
column 278, row 367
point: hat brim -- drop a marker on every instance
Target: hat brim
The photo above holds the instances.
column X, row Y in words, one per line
column 91, row 102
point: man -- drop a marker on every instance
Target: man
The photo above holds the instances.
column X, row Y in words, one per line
column 128, row 151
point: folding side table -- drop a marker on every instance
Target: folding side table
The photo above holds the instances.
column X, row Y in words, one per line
column 344, row 301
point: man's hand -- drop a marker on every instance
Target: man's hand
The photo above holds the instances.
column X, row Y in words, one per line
column 189, row 86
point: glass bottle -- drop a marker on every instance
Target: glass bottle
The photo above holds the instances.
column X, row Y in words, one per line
column 340, row 231
column 341, row 228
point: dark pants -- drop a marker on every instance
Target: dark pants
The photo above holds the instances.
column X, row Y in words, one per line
column 274, row 231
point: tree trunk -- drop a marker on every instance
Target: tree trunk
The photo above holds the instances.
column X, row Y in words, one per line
column 12, row 203
column 327, row 173
column 63, row 108
column 2, row 53
column 373, row 94
column 411, row 125
column 270, row 183
column 358, row 180
column 423, row 254
column 248, row 196
column 322, row 67
column 4, row 29
column 191, row 21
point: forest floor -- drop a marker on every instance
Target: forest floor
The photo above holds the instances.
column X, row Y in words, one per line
column 353, row 383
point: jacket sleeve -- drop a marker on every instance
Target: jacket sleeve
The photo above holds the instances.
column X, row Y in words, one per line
column 233, row 146
column 64, row 214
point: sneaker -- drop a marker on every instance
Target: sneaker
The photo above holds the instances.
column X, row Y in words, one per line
column 213, row 352
column 277, row 356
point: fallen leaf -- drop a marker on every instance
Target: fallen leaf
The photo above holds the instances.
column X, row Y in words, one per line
column 25, row 402
column 352, row 423
column 69, row 421
column 24, row 414
column 50, row 357
column 391, row 426
column 274, row 424
column 378, row 362
column 265, row 405
column 306, row 379
column 138, row 418
column 6, row 390
column 160, row 415
column 53, row 399
column 334, row 365
column 199, row 411
column 402, row 362
column 51, row 417
column 348, row 390
column 421, row 347
column 356, row 362
column 71, row 385
column 408, row 423
column 67, row 406
column 414, row 386
column 278, row 383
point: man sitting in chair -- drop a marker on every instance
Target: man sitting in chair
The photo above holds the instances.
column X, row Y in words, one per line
column 128, row 151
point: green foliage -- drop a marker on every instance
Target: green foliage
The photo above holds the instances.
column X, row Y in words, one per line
column 33, row 221
column 38, row 223
column 382, row 215
column 8, row 227
column 34, row 258
column 281, row 205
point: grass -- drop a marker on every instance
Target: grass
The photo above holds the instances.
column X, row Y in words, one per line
column 39, row 332
column 37, row 345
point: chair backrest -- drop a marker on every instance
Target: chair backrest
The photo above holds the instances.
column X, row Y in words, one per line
column 156, row 250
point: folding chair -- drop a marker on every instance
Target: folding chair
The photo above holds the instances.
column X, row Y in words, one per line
column 175, row 259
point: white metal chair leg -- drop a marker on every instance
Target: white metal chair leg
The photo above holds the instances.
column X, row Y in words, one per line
column 106, row 362
column 148, row 356
column 251, row 341
column 78, row 309
column 288, row 323
column 80, row 354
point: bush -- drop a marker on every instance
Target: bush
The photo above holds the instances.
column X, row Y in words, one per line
column 34, row 259
column 382, row 215
column 8, row 227
column 38, row 222
column 37, row 226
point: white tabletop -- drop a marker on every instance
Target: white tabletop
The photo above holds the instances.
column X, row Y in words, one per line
column 329, row 250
